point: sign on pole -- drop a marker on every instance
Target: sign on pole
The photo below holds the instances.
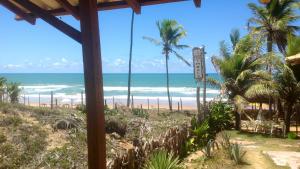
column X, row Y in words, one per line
column 198, row 60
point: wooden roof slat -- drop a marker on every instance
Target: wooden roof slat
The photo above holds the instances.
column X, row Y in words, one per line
column 52, row 20
column 110, row 5
column 134, row 4
column 19, row 12
column 197, row 3
column 69, row 7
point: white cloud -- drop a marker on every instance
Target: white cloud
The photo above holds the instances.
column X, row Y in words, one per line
column 64, row 60
column 12, row 66
column 119, row 62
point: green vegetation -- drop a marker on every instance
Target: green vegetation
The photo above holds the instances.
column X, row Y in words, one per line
column 162, row 160
column 220, row 118
column 170, row 33
column 292, row 135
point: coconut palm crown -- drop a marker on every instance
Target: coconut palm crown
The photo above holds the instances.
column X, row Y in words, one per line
column 274, row 21
column 170, row 33
column 240, row 69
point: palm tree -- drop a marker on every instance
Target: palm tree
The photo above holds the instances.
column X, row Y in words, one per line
column 293, row 48
column 14, row 92
column 2, row 87
column 130, row 59
column 240, row 70
column 170, row 33
column 273, row 21
column 288, row 89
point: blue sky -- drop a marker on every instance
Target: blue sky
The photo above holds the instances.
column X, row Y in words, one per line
column 41, row 48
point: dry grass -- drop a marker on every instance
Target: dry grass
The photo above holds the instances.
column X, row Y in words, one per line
column 31, row 138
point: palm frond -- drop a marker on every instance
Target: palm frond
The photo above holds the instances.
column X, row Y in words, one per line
column 152, row 40
column 181, row 58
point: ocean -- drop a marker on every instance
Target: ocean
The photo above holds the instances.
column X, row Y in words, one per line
column 67, row 87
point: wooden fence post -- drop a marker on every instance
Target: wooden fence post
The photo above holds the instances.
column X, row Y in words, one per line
column 55, row 102
column 28, row 101
column 132, row 103
column 81, row 98
column 148, row 103
column 180, row 104
column 158, row 105
column 178, row 107
column 105, row 103
column 141, row 106
column 51, row 99
column 39, row 100
column 113, row 105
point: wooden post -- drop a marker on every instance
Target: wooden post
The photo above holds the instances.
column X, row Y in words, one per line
column 113, row 105
column 56, row 102
column 178, row 107
column 51, row 100
column 141, row 106
column 148, row 103
column 28, row 103
column 93, row 84
column 132, row 102
column 180, row 104
column 81, row 98
column 39, row 100
column 200, row 116
column 158, row 105
column 105, row 103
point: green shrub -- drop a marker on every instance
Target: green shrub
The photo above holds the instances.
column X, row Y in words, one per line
column 237, row 153
column 140, row 113
column 110, row 112
column 11, row 120
column 220, row 118
column 292, row 135
column 162, row 160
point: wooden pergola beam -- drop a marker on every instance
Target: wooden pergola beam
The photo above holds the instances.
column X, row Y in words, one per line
column 69, row 8
column 134, row 4
column 197, row 3
column 13, row 8
column 52, row 20
column 112, row 5
column 93, row 84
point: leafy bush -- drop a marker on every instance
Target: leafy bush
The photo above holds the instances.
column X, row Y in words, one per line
column 13, row 92
column 162, row 160
column 140, row 113
column 220, row 118
column 237, row 153
column 292, row 135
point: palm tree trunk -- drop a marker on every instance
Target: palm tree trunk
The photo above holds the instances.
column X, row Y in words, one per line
column 130, row 59
column 269, row 68
column 168, row 85
column 237, row 120
column 287, row 118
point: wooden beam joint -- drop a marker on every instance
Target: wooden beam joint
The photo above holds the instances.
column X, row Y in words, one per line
column 135, row 5
column 13, row 8
column 52, row 20
column 197, row 3
column 69, row 7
